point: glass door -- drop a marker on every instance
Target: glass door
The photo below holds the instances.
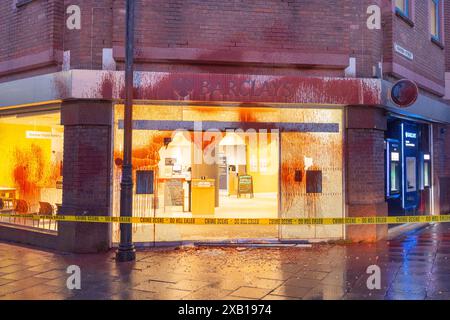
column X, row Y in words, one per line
column 312, row 178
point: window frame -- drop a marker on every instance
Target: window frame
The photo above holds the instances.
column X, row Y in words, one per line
column 406, row 11
column 436, row 37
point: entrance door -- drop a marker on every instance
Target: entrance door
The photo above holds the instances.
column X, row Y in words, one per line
column 246, row 161
column 311, row 182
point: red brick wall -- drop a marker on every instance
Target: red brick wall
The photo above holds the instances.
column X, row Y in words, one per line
column 27, row 29
column 365, row 194
column 447, row 33
column 429, row 59
column 32, row 31
column 365, row 166
column 87, row 174
column 366, row 45
column 328, row 26
column 216, row 24
column 86, row 45
column 240, row 26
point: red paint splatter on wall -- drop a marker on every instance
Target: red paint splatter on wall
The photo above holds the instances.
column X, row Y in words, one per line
column 147, row 155
column 32, row 172
column 106, row 87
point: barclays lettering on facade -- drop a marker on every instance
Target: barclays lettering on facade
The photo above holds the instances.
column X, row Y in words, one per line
column 245, row 89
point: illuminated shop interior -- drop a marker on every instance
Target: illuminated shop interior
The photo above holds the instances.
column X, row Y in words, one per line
column 31, row 149
column 231, row 162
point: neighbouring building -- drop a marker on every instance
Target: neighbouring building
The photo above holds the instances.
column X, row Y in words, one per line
column 243, row 109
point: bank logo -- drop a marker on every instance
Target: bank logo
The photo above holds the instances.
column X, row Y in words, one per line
column 411, row 135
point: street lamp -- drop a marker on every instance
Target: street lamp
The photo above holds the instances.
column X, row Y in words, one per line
column 126, row 251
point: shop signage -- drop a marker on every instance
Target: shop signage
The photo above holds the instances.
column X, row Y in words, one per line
column 404, row 93
column 250, row 89
column 403, row 52
column 42, row 135
column 204, row 184
column 409, row 136
column 245, row 185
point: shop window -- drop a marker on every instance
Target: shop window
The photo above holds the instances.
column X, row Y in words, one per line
column 435, row 20
column 229, row 168
column 31, row 146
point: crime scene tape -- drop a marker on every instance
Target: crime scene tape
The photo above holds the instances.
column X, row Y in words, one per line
column 237, row 221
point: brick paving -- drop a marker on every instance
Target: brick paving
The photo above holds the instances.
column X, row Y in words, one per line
column 414, row 266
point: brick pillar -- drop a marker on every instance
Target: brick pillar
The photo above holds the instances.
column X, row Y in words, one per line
column 365, row 194
column 86, row 174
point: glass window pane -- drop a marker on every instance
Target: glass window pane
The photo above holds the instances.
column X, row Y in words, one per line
column 433, row 18
column 31, row 149
column 403, row 5
column 411, row 181
column 400, row 4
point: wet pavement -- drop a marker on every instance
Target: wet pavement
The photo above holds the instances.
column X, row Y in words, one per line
column 413, row 266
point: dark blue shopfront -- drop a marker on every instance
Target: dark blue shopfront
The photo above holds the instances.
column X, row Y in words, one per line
column 408, row 168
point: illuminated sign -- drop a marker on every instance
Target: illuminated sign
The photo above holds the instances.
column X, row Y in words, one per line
column 411, row 135
column 395, row 156
column 426, row 157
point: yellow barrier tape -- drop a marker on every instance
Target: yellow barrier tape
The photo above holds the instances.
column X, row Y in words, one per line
column 238, row 221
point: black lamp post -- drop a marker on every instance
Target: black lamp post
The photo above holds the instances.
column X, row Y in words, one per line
column 126, row 251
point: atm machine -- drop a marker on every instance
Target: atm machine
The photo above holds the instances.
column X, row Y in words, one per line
column 402, row 168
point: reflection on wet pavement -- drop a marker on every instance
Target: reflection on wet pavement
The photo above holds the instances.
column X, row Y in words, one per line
column 414, row 266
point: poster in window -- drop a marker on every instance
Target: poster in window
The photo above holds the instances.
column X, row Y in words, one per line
column 144, row 181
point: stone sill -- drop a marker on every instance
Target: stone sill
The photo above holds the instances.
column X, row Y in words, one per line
column 437, row 42
column 402, row 16
column 21, row 3
column 29, row 229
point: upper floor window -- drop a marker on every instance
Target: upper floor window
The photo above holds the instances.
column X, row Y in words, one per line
column 21, row 3
column 403, row 7
column 435, row 19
